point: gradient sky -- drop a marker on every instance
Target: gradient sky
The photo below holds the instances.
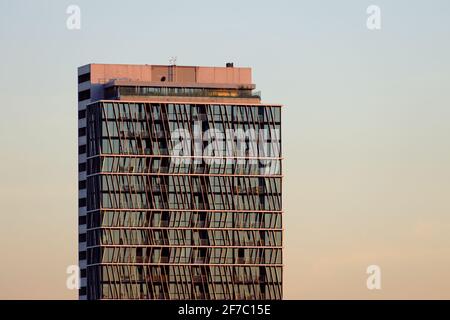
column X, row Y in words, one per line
column 366, row 132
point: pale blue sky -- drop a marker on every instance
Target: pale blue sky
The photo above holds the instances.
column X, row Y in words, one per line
column 365, row 130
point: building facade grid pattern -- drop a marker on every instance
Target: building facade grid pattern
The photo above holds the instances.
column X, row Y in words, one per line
column 154, row 228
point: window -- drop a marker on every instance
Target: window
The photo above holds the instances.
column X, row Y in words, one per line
column 277, row 114
column 84, row 95
column 82, row 184
column 82, row 149
column 82, row 255
column 82, row 166
column 82, row 220
column 84, row 77
column 82, row 202
column 82, row 237
column 82, row 132
column 81, row 114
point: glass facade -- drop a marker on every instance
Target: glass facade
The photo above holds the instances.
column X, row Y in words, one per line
column 183, row 226
column 115, row 92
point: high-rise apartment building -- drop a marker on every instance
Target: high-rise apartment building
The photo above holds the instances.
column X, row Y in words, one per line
column 179, row 184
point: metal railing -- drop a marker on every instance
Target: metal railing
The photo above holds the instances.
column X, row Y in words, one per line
column 190, row 92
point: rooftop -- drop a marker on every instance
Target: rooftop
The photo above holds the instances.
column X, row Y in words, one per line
column 228, row 76
column 168, row 82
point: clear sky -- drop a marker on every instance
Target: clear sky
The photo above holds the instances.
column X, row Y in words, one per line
column 366, row 132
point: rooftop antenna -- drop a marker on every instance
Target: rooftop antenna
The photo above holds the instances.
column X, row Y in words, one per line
column 172, row 65
column 173, row 61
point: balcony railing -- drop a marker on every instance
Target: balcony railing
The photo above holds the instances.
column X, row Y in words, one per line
column 183, row 92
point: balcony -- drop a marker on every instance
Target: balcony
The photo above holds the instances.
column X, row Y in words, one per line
column 128, row 188
column 158, row 278
column 164, row 223
column 199, row 296
column 164, row 259
column 158, row 296
column 198, row 224
column 121, row 91
column 241, row 260
column 200, row 117
column 160, row 188
column 258, row 190
column 198, row 260
column 248, row 280
column 201, row 206
column 244, row 296
column 199, row 278
column 160, row 134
